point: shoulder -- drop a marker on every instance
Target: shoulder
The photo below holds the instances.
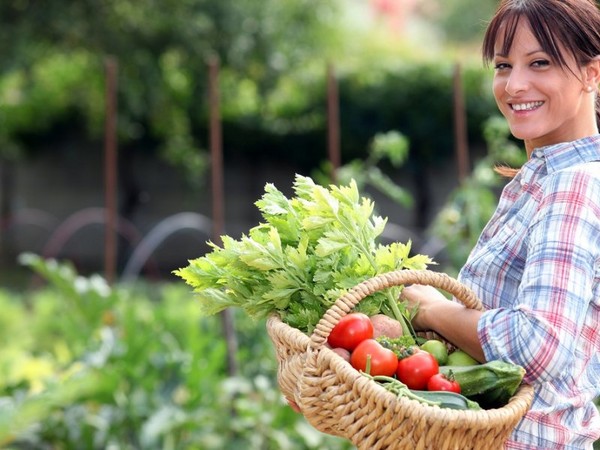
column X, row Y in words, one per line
column 590, row 168
column 570, row 195
column 580, row 158
column 581, row 180
column 568, row 211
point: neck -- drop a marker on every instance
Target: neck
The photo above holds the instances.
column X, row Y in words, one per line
column 589, row 129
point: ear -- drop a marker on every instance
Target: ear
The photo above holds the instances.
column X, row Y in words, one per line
column 592, row 72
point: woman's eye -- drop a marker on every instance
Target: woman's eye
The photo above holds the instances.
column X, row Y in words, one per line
column 540, row 63
column 501, row 66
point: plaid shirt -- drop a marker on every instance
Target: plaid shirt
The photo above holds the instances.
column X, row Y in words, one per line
column 536, row 268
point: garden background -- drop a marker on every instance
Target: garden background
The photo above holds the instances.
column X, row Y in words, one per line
column 132, row 132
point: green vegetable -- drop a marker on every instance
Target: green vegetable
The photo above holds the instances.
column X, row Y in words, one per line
column 308, row 251
column 402, row 346
column 438, row 349
column 460, row 358
column 491, row 384
column 448, row 399
column 432, row 398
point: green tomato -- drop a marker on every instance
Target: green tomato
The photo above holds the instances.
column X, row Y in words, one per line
column 438, row 349
column 461, row 358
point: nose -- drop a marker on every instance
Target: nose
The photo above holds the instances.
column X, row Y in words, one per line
column 516, row 83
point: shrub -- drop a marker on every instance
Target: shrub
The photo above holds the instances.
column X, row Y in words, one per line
column 130, row 367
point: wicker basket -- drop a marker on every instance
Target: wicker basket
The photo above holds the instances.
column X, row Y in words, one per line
column 337, row 400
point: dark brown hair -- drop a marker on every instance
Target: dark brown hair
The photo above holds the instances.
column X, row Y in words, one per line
column 572, row 25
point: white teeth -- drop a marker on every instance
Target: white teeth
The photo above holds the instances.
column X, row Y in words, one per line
column 526, row 106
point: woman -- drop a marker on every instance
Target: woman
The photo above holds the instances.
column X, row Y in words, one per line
column 536, row 266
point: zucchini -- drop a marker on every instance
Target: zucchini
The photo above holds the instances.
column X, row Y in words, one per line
column 446, row 399
column 442, row 399
column 491, row 384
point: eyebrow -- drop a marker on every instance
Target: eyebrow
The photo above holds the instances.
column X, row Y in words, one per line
column 540, row 50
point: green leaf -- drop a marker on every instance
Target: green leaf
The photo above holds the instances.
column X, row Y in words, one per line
column 262, row 257
column 298, row 256
column 333, row 243
column 214, row 300
column 308, row 252
column 418, row 262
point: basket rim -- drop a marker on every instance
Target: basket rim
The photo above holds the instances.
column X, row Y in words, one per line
column 348, row 301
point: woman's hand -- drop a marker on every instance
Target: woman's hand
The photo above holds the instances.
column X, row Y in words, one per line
column 448, row 318
column 421, row 298
column 293, row 405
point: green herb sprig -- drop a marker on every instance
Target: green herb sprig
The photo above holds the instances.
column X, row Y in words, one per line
column 307, row 252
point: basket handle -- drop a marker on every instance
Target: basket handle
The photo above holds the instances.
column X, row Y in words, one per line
column 348, row 301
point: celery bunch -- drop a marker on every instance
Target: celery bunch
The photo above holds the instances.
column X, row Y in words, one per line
column 307, row 252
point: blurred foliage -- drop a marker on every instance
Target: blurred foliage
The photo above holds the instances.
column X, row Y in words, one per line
column 460, row 221
column 392, row 147
column 417, row 100
column 464, row 21
column 85, row 365
column 53, row 54
column 272, row 57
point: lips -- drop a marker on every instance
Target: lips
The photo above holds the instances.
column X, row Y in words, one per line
column 526, row 106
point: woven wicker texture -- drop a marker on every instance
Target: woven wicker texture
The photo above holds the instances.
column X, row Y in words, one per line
column 336, row 399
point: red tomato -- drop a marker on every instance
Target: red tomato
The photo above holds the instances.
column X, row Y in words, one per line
column 350, row 331
column 441, row 382
column 383, row 361
column 416, row 370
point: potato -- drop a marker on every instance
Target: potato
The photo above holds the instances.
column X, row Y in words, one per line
column 384, row 325
column 345, row 354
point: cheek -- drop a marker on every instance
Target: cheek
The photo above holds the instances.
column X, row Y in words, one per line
column 499, row 92
column 498, row 89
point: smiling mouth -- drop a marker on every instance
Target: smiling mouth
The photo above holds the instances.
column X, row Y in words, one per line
column 530, row 106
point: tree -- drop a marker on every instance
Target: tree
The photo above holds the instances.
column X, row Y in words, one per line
column 463, row 21
column 162, row 49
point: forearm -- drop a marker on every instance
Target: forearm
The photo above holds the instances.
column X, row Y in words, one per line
column 455, row 322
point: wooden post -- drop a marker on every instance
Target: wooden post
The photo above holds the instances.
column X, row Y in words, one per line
column 218, row 199
column 110, row 170
column 333, row 121
column 6, row 184
column 216, row 152
column 460, row 127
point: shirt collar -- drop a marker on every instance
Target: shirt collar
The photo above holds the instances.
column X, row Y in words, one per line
column 567, row 154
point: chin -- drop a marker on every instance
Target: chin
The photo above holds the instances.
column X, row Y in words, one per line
column 519, row 135
column 523, row 135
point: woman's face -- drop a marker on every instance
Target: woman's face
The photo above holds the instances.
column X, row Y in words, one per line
column 543, row 102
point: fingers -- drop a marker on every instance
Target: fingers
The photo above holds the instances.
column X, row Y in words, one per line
column 420, row 297
column 414, row 293
column 420, row 293
column 293, row 405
